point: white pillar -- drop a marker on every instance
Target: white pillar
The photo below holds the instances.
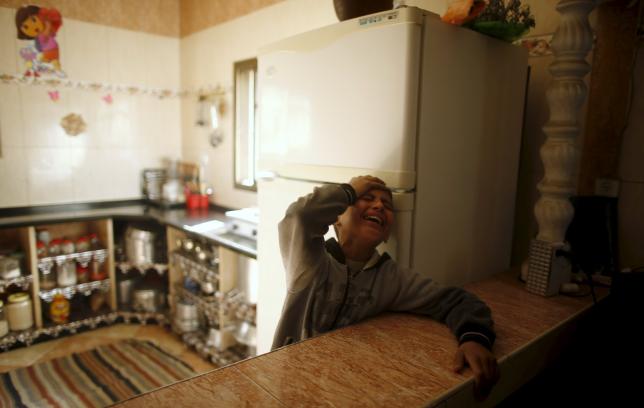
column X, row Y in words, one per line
column 566, row 94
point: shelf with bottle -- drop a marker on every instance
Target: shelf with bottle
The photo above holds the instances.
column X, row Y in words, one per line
column 198, row 270
column 83, row 258
column 22, row 282
column 27, row 337
column 130, row 316
column 209, row 306
column 69, row 291
column 199, row 341
column 124, row 267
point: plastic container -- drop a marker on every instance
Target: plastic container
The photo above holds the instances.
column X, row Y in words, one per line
column 59, row 309
column 19, row 312
column 67, row 274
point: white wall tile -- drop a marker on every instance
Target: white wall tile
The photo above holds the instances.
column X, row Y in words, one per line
column 11, row 119
column 122, row 115
column 162, row 61
column 42, row 117
column 88, row 183
column 126, row 54
column 165, row 128
column 85, row 56
column 13, row 178
column 125, row 172
column 8, row 33
column 49, row 175
column 86, row 104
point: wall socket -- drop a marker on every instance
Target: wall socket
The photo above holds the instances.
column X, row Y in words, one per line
column 606, row 187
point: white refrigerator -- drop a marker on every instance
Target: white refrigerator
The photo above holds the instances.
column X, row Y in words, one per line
column 432, row 109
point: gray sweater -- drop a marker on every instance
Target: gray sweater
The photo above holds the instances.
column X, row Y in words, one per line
column 324, row 294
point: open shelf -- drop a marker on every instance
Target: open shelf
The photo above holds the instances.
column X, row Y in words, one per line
column 27, row 337
column 125, row 267
column 84, row 258
column 231, row 355
column 69, row 291
column 22, row 281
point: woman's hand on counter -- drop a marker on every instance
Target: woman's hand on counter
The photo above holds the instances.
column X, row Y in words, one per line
column 483, row 365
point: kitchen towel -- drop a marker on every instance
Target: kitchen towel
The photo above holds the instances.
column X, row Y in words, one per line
column 94, row 378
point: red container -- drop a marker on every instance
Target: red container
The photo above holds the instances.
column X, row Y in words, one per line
column 192, row 201
column 203, row 201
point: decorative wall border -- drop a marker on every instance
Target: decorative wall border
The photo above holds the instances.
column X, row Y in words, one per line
column 95, row 86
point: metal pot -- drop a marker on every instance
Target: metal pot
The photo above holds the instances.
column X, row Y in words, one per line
column 147, row 300
column 139, row 245
column 125, row 291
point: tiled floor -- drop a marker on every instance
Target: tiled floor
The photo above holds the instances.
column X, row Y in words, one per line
column 88, row 340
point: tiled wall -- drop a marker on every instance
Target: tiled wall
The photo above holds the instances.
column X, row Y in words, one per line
column 207, row 57
column 40, row 164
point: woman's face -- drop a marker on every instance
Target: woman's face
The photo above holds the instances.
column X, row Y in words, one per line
column 32, row 26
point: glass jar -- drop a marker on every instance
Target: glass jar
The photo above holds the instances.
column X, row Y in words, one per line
column 44, row 236
column 82, row 274
column 4, row 326
column 59, row 309
column 67, row 247
column 67, row 273
column 19, row 312
column 82, row 244
column 96, row 272
column 9, row 268
column 48, row 279
column 93, row 241
column 54, row 247
column 41, row 249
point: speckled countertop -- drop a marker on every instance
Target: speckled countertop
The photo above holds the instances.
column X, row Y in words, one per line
column 391, row 360
column 178, row 218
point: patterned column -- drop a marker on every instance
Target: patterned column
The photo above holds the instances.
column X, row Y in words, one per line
column 566, row 93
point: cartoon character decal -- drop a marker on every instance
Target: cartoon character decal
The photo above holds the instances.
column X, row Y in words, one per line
column 40, row 25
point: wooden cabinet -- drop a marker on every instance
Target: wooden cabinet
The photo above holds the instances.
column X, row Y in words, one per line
column 83, row 297
column 207, row 275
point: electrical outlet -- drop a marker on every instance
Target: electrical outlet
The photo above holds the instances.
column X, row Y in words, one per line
column 605, row 187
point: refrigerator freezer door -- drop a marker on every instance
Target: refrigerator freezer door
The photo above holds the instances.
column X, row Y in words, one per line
column 343, row 96
column 273, row 198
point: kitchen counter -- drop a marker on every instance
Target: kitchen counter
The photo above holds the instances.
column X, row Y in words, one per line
column 179, row 218
column 393, row 359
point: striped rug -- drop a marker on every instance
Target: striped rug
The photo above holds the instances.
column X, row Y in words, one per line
column 94, row 378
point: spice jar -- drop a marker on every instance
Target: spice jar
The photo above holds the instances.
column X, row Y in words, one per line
column 82, row 244
column 67, row 247
column 67, row 273
column 19, row 312
column 93, row 241
column 41, row 249
column 4, row 326
column 44, row 236
column 82, row 273
column 48, row 279
column 54, row 247
column 96, row 272
column 59, row 309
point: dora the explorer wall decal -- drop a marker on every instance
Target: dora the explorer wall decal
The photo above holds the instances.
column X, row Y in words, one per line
column 39, row 25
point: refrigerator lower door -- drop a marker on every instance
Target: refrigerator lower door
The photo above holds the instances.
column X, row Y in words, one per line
column 273, row 198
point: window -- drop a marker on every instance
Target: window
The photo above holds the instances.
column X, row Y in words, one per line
column 245, row 108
